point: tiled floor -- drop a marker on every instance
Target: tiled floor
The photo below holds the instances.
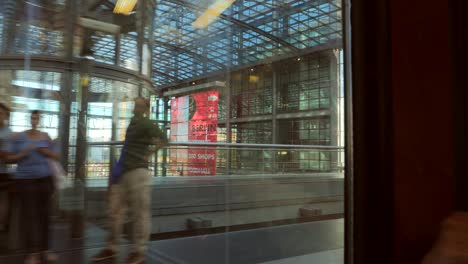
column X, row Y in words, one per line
column 325, row 257
column 315, row 242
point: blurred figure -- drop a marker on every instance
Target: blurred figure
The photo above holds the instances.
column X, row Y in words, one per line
column 133, row 187
column 5, row 133
column 31, row 150
column 452, row 244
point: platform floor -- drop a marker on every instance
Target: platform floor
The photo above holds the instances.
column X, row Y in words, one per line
column 318, row 242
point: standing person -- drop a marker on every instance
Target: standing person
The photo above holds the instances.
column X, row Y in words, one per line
column 31, row 150
column 5, row 133
column 133, row 188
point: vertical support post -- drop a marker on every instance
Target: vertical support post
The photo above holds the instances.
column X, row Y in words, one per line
column 115, row 108
column 140, row 28
column 238, row 32
column 154, row 114
column 152, row 11
column 115, row 123
column 231, row 31
column 228, row 122
column 228, row 99
column 78, row 217
column 166, row 118
column 117, row 49
column 66, row 84
column 333, row 58
column 274, row 116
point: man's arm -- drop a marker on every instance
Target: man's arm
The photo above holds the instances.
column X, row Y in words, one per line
column 158, row 139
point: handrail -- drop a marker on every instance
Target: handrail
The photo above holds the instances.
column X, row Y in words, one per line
column 222, row 144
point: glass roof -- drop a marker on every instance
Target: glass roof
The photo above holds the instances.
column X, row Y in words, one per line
column 249, row 32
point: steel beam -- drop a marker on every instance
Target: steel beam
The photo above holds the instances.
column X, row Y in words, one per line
column 326, row 46
column 191, row 53
column 196, row 88
column 229, row 145
column 166, row 75
column 240, row 24
column 95, row 4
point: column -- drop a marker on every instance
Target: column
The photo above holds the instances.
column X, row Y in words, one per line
column 166, row 118
column 78, row 215
column 333, row 57
column 274, row 113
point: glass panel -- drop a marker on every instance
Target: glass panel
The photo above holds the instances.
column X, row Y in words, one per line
column 32, row 27
column 251, row 102
column 25, row 91
column 103, row 47
column 128, row 51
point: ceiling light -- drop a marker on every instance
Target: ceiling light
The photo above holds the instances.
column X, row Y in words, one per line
column 253, row 78
column 212, row 13
column 124, row 7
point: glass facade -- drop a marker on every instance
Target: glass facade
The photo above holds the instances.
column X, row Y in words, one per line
column 36, row 30
column 252, row 104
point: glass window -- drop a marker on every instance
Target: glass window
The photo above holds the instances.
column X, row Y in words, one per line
column 249, row 93
column 103, row 47
column 128, row 51
column 24, row 30
column 25, row 91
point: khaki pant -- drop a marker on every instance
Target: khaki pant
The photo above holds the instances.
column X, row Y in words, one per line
column 133, row 192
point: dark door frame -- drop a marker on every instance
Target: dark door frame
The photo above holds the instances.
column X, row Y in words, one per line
column 460, row 101
column 369, row 175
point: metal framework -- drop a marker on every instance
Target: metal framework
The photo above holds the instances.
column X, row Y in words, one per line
column 275, row 57
column 249, row 32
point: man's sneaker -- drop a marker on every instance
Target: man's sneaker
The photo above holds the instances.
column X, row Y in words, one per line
column 135, row 258
column 104, row 254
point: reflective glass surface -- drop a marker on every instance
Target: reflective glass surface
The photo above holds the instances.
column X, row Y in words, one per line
column 250, row 95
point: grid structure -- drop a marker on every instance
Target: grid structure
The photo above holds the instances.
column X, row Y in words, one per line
column 30, row 27
column 252, row 93
column 307, row 131
column 248, row 32
column 258, row 132
column 103, row 47
column 305, row 85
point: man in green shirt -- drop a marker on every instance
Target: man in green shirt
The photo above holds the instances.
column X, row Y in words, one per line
column 140, row 135
column 133, row 188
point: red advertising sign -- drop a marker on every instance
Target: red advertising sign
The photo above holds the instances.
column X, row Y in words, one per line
column 194, row 118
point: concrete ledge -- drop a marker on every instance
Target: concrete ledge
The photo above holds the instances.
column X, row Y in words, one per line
column 231, row 200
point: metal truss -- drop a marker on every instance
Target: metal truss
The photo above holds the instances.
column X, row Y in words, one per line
column 248, row 33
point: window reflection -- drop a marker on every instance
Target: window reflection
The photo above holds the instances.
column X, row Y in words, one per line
column 252, row 102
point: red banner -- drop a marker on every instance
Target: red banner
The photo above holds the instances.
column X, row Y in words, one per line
column 194, row 118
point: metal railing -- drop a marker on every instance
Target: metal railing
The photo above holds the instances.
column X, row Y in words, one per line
column 199, row 159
